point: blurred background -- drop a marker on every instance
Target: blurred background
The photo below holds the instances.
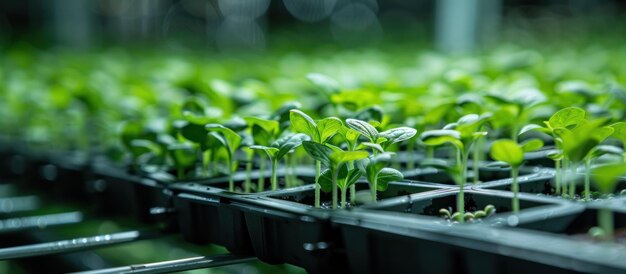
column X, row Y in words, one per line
column 73, row 71
column 257, row 25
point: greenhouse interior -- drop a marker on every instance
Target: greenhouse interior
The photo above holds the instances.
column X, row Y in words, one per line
column 313, row 136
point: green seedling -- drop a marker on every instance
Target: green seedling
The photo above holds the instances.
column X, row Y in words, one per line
column 264, row 132
column 511, row 153
column 581, row 145
column 378, row 175
column 230, row 142
column 320, row 131
column 515, row 111
column 184, row 156
column 567, row 118
column 461, row 135
column 606, row 178
column 278, row 149
column 336, row 160
column 467, row 216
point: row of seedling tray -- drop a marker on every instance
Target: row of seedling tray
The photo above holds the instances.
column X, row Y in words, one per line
column 409, row 229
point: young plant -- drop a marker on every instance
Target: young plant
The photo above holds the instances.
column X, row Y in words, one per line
column 606, row 178
column 378, row 175
column 461, row 135
column 278, row 149
column 581, row 145
column 567, row 118
column 184, row 156
column 374, row 167
column 468, row 216
column 337, row 175
column 517, row 110
column 230, row 142
column 264, row 132
column 320, row 131
column 510, row 152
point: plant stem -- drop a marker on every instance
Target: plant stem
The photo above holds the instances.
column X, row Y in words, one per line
column 475, row 162
column 206, row 159
column 287, row 173
column 410, row 147
column 292, row 167
column 318, row 171
column 374, row 187
column 343, row 197
column 231, row 182
column 564, row 171
column 572, row 187
column 247, row 182
column 605, row 221
column 557, row 167
column 180, row 172
column 335, row 172
column 261, row 182
column 274, row 178
column 515, row 188
column 587, row 179
column 353, row 186
column 430, row 152
column 460, row 202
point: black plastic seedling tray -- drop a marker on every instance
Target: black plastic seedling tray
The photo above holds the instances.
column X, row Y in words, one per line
column 542, row 182
column 486, row 174
column 577, row 223
column 206, row 213
column 396, row 243
column 117, row 192
column 285, row 228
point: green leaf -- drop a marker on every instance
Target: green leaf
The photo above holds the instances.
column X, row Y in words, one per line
column 328, row 127
column 269, row 126
column 326, row 180
column 578, row 143
column 619, row 132
column 183, row 154
column 471, row 123
column 441, row 136
column 376, row 147
column 605, row 149
column 387, row 175
column 231, row 138
column 132, row 130
column 566, row 117
column 141, row 146
column 318, row 152
column 339, row 157
column 196, row 111
column 555, row 154
column 374, row 164
column 531, row 127
column 607, row 176
column 352, row 177
column 532, row 145
column 302, row 123
column 270, row 151
column 507, row 151
column 288, row 143
column 283, row 114
column 396, row 135
column 363, row 128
